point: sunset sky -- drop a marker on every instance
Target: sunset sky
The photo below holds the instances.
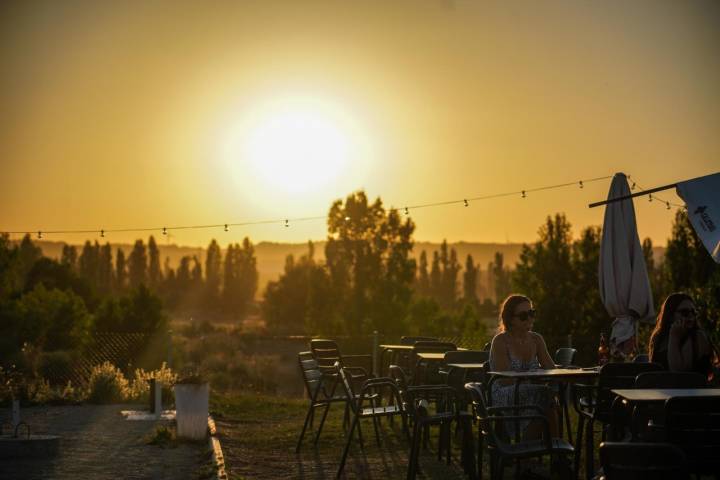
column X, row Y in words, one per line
column 160, row 113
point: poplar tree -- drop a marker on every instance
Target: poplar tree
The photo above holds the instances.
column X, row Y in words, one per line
column 137, row 265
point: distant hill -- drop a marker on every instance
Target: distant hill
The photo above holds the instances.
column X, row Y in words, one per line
column 271, row 256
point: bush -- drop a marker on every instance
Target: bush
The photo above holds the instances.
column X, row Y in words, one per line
column 140, row 388
column 107, row 385
column 57, row 364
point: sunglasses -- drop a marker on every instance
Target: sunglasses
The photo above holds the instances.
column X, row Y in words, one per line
column 687, row 312
column 525, row 316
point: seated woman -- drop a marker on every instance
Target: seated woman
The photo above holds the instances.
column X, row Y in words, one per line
column 517, row 347
column 678, row 343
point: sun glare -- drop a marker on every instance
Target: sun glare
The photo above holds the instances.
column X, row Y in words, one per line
column 294, row 148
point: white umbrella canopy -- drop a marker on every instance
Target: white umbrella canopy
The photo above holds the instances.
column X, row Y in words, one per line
column 624, row 283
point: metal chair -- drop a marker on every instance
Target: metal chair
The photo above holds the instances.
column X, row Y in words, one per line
column 320, row 388
column 641, row 358
column 642, row 461
column 501, row 447
column 593, row 403
column 693, row 424
column 373, row 391
column 642, row 414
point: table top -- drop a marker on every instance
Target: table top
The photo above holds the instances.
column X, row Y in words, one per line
column 662, row 394
column 548, row 373
column 431, row 356
column 467, row 365
column 397, row 347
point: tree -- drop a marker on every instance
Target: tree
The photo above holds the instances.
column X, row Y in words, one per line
column 27, row 255
column 154, row 272
column 422, row 284
column 470, row 278
column 367, row 255
column 450, row 270
column 501, row 277
column 88, row 262
column 213, row 263
column 545, row 273
column 120, row 271
column 240, row 278
column 69, row 256
column 137, row 265
column 300, row 300
column 10, row 280
column 105, row 269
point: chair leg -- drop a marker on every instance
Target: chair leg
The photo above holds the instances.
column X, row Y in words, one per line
column 355, row 423
column 579, row 441
column 589, row 454
column 567, row 422
column 414, row 452
column 322, row 422
column 480, row 453
column 305, row 425
column 373, row 404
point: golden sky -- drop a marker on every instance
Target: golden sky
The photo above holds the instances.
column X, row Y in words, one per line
column 159, row 113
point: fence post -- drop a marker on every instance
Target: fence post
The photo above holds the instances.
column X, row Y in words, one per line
column 375, row 353
column 169, row 349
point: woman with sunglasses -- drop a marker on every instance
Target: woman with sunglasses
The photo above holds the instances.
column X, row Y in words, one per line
column 677, row 342
column 517, row 347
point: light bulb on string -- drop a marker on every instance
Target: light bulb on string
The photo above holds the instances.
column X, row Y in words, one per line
column 581, row 184
column 287, row 222
column 668, row 205
column 102, row 233
column 226, row 227
column 407, row 211
column 650, row 198
column 466, row 202
column 164, row 232
column 39, row 234
column 523, row 194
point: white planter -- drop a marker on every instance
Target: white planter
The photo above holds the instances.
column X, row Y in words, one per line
column 191, row 405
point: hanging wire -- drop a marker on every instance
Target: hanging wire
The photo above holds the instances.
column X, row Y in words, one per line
column 668, row 205
column 286, row 221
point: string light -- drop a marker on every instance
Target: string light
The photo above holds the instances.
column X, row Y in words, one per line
column 650, row 198
column 464, row 201
column 668, row 205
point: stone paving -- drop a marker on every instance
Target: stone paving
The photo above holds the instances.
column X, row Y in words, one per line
column 98, row 443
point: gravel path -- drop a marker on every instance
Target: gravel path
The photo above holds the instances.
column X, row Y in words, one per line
column 98, row 443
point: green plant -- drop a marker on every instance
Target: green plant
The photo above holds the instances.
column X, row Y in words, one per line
column 163, row 437
column 107, row 384
column 140, row 387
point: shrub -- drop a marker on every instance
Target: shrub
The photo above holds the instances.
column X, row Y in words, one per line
column 107, row 384
column 55, row 364
column 140, row 387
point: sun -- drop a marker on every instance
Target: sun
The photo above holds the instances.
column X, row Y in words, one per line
column 296, row 148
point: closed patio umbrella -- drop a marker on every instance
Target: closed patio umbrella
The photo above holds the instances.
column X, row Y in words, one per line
column 624, row 284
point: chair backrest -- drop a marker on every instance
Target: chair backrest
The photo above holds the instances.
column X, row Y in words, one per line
column 693, row 424
column 466, row 356
column 565, row 356
column 326, row 353
column 433, row 347
column 670, row 380
column 486, row 347
column 618, row 375
column 641, row 358
column 311, row 374
column 642, row 461
column 412, row 340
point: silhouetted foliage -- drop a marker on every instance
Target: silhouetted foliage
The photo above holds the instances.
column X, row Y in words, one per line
column 240, row 278
column 137, row 265
column 120, row 271
column 154, row 272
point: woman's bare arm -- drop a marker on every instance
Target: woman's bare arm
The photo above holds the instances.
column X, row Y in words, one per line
column 544, row 357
